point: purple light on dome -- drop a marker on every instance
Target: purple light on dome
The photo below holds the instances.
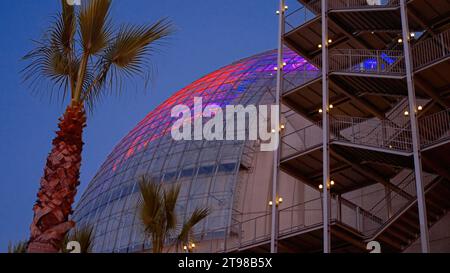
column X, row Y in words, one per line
column 222, row 87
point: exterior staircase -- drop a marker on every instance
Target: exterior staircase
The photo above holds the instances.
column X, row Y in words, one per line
column 401, row 230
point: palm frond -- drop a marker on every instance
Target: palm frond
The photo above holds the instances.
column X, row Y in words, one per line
column 127, row 56
column 19, row 247
column 170, row 202
column 150, row 204
column 94, row 26
column 83, row 235
column 53, row 64
column 158, row 214
column 152, row 212
column 132, row 43
column 67, row 26
column 187, row 229
column 91, row 65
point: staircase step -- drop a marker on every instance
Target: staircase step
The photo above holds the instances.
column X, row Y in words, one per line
column 439, row 198
column 388, row 240
column 406, row 229
column 413, row 226
column 412, row 214
column 435, row 210
column 400, row 235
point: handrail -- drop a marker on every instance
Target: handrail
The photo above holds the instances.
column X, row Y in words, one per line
column 371, row 132
column 367, row 213
column 427, row 187
column 367, row 61
column 430, row 50
column 384, row 134
column 360, row 131
column 318, row 123
column 406, row 178
column 302, row 15
column 360, row 61
column 256, row 230
column 358, row 4
column 434, row 128
column 283, row 209
column 310, row 10
column 410, row 179
column 301, row 74
column 388, row 62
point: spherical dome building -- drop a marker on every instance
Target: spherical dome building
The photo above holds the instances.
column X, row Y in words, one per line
column 209, row 172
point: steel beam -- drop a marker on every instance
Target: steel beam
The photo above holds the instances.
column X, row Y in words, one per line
column 359, row 101
column 325, row 132
column 276, row 152
column 430, row 92
column 369, row 173
column 387, row 194
column 424, row 236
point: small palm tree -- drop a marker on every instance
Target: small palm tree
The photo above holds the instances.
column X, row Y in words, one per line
column 82, row 58
column 158, row 215
column 20, row 247
column 81, row 235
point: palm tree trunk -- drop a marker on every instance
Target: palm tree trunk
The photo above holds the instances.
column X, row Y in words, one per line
column 59, row 184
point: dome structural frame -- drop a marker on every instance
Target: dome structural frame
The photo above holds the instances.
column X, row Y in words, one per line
column 207, row 171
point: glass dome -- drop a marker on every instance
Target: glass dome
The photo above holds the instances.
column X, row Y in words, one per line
column 206, row 170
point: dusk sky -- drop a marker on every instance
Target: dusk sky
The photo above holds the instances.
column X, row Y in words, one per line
column 210, row 34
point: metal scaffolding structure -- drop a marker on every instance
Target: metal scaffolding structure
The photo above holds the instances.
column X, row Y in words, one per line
column 378, row 84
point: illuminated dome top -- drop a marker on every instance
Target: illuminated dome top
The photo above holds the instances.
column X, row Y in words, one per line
column 206, row 170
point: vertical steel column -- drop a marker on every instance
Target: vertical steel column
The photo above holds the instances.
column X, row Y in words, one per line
column 424, row 240
column 276, row 153
column 387, row 194
column 325, row 132
column 339, row 207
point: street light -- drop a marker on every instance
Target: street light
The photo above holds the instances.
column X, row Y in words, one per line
column 279, row 200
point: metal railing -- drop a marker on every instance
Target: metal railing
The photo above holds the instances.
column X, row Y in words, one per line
column 431, row 50
column 301, row 140
column 360, row 61
column 384, row 134
column 367, row 61
column 302, row 15
column 298, row 76
column 360, row 131
column 379, row 62
column 358, row 4
column 395, row 203
column 310, row 10
column 389, row 205
column 434, row 128
column 371, row 132
column 307, row 215
column 293, row 219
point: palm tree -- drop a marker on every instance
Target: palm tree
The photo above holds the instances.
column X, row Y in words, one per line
column 159, row 218
column 20, row 247
column 81, row 235
column 84, row 58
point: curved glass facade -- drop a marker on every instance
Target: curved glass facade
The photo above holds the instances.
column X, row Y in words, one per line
column 206, row 170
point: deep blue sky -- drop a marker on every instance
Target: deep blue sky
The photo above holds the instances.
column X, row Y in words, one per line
column 211, row 34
